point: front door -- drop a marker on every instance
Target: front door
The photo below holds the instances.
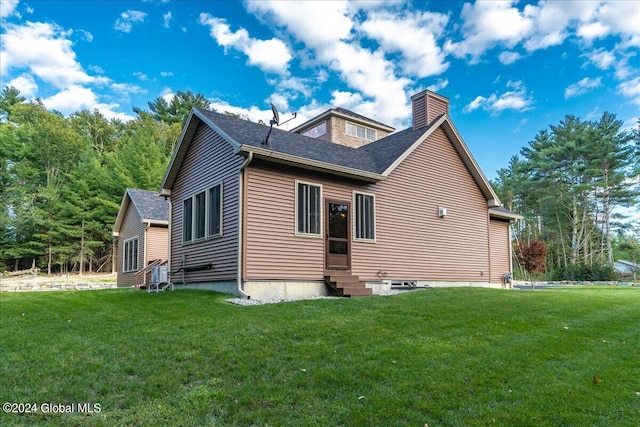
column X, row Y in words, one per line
column 338, row 235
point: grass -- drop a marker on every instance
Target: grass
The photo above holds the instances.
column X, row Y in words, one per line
column 442, row 357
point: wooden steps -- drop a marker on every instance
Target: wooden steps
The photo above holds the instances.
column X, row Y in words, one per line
column 345, row 284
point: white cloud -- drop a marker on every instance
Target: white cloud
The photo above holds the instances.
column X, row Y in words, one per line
column 127, row 19
column 167, row 17
column 253, row 113
column 593, row 30
column 8, row 8
column 43, row 55
column 25, row 84
column 487, row 24
column 631, row 89
column 141, row 76
column 86, row 35
column 46, row 51
column 623, row 69
column 330, row 41
column 126, row 88
column 316, row 24
column 601, row 58
column 269, row 55
column 475, row 104
column 345, row 99
column 508, row 57
column 76, row 98
column 439, row 85
column 516, row 99
column 581, row 87
column 621, row 18
column 414, row 35
column 166, row 73
column 542, row 25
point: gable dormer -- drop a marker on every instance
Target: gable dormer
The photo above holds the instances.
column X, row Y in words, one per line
column 344, row 127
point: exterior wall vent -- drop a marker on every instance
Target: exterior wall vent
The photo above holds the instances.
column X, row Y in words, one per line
column 442, row 212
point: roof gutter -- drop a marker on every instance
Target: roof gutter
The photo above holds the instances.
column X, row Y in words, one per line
column 511, row 216
column 241, row 291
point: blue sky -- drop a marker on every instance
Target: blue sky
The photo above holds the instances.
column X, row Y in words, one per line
column 509, row 68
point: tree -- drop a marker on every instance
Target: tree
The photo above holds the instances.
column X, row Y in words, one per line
column 567, row 183
column 177, row 110
column 531, row 257
column 610, row 167
column 9, row 97
column 141, row 158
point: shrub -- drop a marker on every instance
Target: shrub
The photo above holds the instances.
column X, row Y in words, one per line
column 586, row 273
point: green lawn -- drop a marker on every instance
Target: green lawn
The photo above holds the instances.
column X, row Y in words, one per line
column 442, row 357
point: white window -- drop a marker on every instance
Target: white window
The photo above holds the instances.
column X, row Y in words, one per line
column 361, row 132
column 316, row 131
column 130, row 259
column 365, row 217
column 202, row 215
column 308, row 209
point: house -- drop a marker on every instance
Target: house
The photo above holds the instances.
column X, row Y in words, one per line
column 140, row 235
column 341, row 205
column 625, row 267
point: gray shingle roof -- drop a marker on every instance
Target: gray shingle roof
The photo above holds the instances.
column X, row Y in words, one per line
column 358, row 116
column 375, row 157
column 254, row 134
column 149, row 204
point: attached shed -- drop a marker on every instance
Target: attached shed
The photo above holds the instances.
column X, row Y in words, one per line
column 140, row 235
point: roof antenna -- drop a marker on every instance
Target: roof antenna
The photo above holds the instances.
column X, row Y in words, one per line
column 275, row 121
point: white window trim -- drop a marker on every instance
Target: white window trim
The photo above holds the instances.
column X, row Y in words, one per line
column 354, row 218
column 124, row 253
column 295, row 220
column 375, row 132
column 207, row 236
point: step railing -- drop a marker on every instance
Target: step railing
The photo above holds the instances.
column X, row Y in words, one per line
column 141, row 277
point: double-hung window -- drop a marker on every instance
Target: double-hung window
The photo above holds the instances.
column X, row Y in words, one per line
column 308, row 209
column 361, row 132
column 365, row 217
column 130, row 259
column 202, row 215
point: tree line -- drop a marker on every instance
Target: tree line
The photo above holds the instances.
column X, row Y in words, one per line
column 62, row 180
column 570, row 184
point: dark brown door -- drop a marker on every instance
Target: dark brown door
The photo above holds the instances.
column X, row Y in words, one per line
column 338, row 235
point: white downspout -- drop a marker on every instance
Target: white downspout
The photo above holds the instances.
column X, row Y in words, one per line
column 146, row 255
column 168, row 200
column 241, row 291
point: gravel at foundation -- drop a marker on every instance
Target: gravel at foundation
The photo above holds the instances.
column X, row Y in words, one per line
column 245, row 302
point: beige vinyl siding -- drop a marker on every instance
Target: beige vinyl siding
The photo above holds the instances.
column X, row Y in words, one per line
column 131, row 227
column 426, row 107
column 499, row 247
column 209, row 161
column 272, row 250
column 419, row 106
column 157, row 243
column 411, row 241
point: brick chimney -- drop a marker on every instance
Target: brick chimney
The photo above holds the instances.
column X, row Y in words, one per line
column 428, row 106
